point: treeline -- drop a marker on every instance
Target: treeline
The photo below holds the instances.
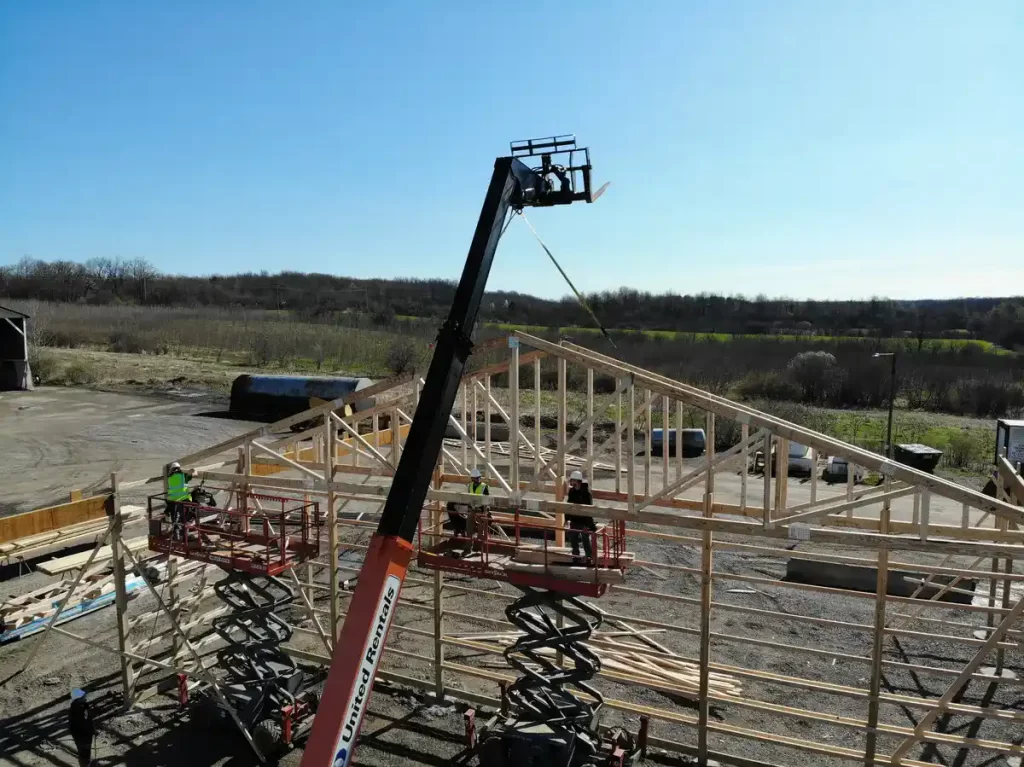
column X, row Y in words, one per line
column 113, row 281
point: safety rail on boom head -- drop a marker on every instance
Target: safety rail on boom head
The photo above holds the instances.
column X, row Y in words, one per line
column 521, row 550
column 264, row 535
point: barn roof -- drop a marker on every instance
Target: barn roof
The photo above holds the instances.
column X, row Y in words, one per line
column 5, row 312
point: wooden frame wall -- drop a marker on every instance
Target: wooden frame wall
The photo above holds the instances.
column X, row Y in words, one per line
column 895, row 526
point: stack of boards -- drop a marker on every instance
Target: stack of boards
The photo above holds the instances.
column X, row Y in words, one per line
column 33, row 546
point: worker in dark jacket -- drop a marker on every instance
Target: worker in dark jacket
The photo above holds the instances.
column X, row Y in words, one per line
column 81, row 726
column 580, row 526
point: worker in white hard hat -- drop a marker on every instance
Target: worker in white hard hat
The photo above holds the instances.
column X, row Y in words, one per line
column 81, row 726
column 178, row 493
column 477, row 486
column 580, row 527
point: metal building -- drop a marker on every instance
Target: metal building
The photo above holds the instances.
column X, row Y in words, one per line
column 14, row 368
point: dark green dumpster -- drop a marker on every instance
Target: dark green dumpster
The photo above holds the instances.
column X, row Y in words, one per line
column 920, row 457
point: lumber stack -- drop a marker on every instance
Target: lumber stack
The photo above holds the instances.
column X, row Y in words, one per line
column 61, row 565
column 29, row 613
column 41, row 544
column 630, row 662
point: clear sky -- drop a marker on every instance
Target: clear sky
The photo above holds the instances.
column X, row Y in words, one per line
column 810, row 148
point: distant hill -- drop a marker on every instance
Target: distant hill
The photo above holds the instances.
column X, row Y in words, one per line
column 105, row 281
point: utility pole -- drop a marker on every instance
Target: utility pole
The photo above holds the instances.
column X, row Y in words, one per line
column 892, row 399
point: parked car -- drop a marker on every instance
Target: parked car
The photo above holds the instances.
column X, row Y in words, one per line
column 836, row 469
column 800, row 460
column 694, row 442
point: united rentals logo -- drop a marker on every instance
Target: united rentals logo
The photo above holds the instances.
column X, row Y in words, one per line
column 371, row 657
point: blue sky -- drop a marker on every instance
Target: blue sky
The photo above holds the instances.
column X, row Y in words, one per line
column 803, row 148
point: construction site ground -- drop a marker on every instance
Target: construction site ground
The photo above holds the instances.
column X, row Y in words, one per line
column 52, row 439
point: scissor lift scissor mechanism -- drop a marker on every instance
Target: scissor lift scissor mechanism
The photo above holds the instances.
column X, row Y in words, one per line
column 254, row 543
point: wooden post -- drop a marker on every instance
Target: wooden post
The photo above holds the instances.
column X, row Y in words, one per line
column 536, row 418
column 767, row 500
column 679, row 439
column 487, row 421
column 851, row 472
column 618, row 436
column 705, row 600
column 563, row 415
column 475, row 433
column 631, row 451
column 926, row 501
column 781, row 476
column 881, row 594
column 332, row 521
column 513, row 436
column 396, row 438
column 435, row 521
column 1008, row 570
column 665, row 423
column 745, row 436
column 465, row 427
column 647, row 444
column 590, row 429
column 814, row 475
column 120, row 591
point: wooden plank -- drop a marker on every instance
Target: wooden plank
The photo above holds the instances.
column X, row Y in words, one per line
column 51, row 518
column 585, row 574
column 707, row 552
column 63, row 565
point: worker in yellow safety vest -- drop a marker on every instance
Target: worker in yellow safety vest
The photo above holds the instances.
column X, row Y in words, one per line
column 477, row 486
column 178, row 493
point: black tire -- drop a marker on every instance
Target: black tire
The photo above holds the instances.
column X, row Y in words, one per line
column 268, row 738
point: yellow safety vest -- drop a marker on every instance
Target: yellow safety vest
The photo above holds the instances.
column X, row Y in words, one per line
column 177, row 488
column 479, row 489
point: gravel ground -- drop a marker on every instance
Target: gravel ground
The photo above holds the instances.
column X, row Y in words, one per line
column 82, row 436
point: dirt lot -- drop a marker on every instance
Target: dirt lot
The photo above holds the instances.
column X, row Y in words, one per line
column 87, row 434
column 54, row 440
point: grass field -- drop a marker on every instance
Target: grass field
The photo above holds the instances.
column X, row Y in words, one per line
column 927, row 344
column 158, row 348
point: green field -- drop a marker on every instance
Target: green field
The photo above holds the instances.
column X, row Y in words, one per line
column 928, row 344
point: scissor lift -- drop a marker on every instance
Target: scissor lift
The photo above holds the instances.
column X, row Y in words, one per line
column 545, row 722
column 264, row 535
column 255, row 543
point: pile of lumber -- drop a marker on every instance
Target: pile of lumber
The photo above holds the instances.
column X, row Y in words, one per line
column 62, row 565
column 630, row 662
column 41, row 544
column 29, row 613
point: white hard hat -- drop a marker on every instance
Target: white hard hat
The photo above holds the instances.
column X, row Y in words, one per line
column 577, row 475
column 175, row 465
column 475, row 474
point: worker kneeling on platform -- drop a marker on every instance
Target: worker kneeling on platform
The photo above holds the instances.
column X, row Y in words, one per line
column 178, row 493
column 580, row 526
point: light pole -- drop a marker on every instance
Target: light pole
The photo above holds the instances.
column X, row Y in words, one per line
column 892, row 399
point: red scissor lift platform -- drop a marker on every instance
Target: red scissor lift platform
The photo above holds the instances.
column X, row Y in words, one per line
column 264, row 535
column 521, row 550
